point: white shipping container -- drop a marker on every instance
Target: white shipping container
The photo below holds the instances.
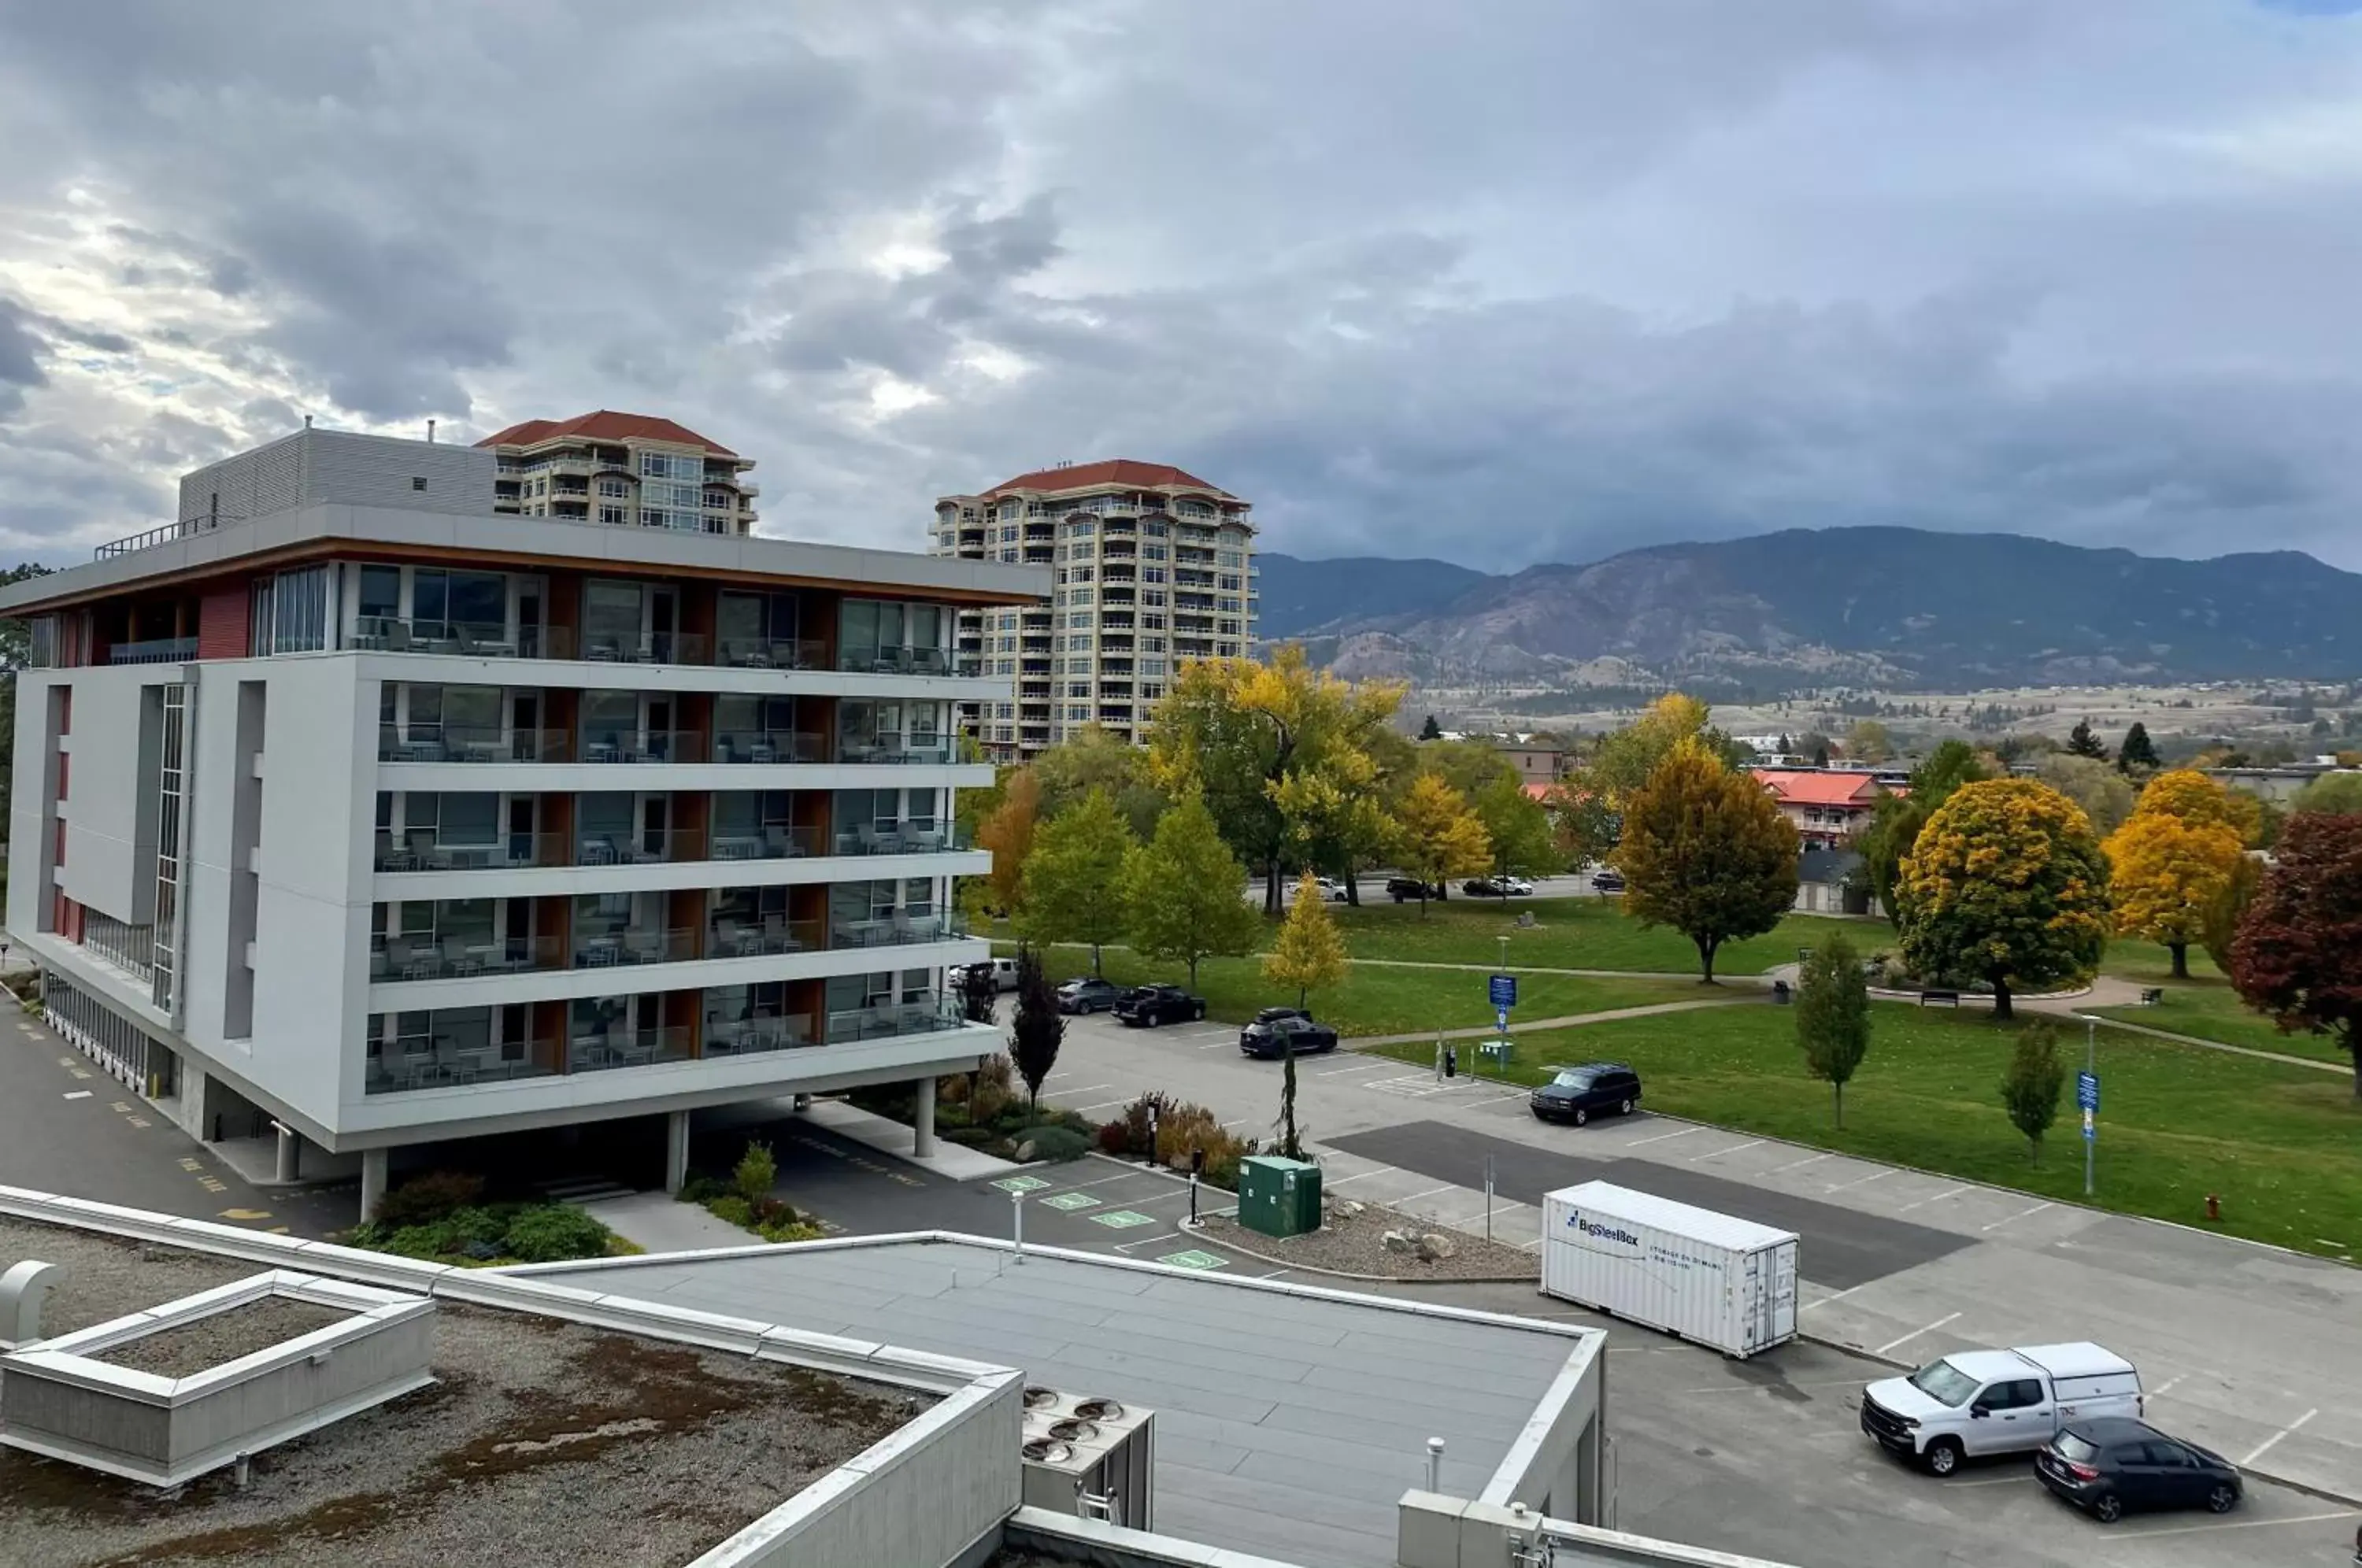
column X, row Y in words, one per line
column 1727, row 1283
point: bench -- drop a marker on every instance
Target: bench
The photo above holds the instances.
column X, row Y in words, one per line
column 1951, row 999
column 2152, row 995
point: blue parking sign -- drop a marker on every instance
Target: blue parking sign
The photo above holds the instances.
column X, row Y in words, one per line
column 1505, row 990
column 2087, row 1091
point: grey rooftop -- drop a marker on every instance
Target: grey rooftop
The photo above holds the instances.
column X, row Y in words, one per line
column 1288, row 1421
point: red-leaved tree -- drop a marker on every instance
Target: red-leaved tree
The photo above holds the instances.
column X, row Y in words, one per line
column 2298, row 955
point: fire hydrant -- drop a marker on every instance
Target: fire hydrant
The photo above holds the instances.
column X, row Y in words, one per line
column 2213, row 1206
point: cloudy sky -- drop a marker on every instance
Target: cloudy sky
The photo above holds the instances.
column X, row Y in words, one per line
column 1505, row 282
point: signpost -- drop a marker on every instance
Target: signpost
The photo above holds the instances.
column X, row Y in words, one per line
column 1503, row 990
column 2087, row 1096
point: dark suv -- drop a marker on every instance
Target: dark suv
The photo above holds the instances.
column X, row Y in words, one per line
column 1089, row 995
column 1152, row 1005
column 1279, row 1030
column 1402, row 887
column 1595, row 1088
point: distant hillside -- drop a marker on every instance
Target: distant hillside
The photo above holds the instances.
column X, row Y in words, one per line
column 1890, row 606
column 1300, row 596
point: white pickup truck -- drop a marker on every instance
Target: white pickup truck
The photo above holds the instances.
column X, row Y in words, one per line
column 1997, row 1401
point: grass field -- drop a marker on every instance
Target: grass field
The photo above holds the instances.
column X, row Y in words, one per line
column 1376, row 1000
column 2203, row 1005
column 1575, row 934
column 2279, row 1144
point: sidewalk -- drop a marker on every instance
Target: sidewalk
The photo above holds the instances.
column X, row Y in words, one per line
column 657, row 1222
column 1527, row 1025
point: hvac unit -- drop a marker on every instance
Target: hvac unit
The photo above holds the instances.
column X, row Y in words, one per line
column 1090, row 1457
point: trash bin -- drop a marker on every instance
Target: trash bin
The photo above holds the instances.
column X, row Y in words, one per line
column 1279, row 1197
column 1780, row 992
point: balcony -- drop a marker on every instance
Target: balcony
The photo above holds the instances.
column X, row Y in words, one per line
column 629, row 947
column 918, row 749
column 650, row 647
column 439, row 1064
column 435, row 743
column 462, row 957
column 895, row 661
column 482, row 639
column 157, row 650
column 894, row 931
column 772, row 652
column 885, row 1023
column 768, row 746
column 629, row 1048
column 901, row 838
column 730, row 937
column 746, row 1036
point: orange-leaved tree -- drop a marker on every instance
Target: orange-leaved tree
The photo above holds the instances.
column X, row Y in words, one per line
column 2171, row 860
column 2006, row 885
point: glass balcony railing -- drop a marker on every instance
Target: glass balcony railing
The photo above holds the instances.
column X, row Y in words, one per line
column 771, row 652
column 626, row 946
column 461, row 957
column 649, row 647
column 441, row 743
column 642, row 849
column 419, row 851
column 771, row 841
column 158, row 650
column 482, row 639
column 924, row 747
column 627, row 1048
column 896, row 931
column 746, row 1036
column 768, row 746
column 643, row 746
column 441, row 1067
column 902, row 838
column 730, row 937
column 895, row 661
column 884, row 1023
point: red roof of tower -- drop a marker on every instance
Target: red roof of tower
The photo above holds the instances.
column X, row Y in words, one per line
column 604, row 424
column 1114, row 471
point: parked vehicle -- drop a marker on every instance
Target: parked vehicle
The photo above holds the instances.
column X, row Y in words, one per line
column 1274, row 1035
column 1002, row 970
column 1403, row 887
column 2108, row 1465
column 1515, row 887
column 1331, row 888
column 1152, row 1005
column 1607, row 881
column 1595, row 1088
column 1712, row 1278
column 1485, row 887
column 1089, row 995
column 1997, row 1401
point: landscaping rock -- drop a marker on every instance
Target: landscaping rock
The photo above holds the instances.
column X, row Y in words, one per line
column 1027, row 1153
column 1434, row 1247
column 1396, row 1242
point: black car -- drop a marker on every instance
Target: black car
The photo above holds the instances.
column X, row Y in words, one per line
column 1595, row 1088
column 1485, row 887
column 2110, row 1463
column 1152, row 1005
column 1089, row 995
column 1400, row 889
column 1287, row 1028
column 1608, row 882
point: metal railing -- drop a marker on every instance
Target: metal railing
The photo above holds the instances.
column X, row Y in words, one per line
column 156, row 650
column 419, row 851
column 626, row 946
column 164, row 535
column 628, row 1048
column 729, row 937
column 642, row 847
column 462, row 957
column 124, row 945
column 646, row 746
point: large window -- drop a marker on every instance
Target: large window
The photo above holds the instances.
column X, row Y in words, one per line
column 476, row 600
column 290, row 611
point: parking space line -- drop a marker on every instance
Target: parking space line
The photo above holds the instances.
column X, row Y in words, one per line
column 1168, row 1236
column 2265, row 1447
column 1661, row 1137
column 1120, row 1176
column 2162, row 1390
column 1356, row 1067
column 1948, row 1192
column 1086, row 1089
column 1496, row 1100
column 1860, row 1181
column 1793, row 1164
column 1086, row 1110
column 1358, row 1175
column 2233, row 1524
column 1430, row 1192
column 1711, row 1154
column 2021, row 1214
column 1838, row 1294
column 1916, row 1333
column 2028, row 1478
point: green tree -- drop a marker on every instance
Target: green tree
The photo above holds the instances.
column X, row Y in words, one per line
column 1437, row 837
column 1074, row 884
column 2029, row 1089
column 1183, row 891
column 1308, row 954
column 1430, row 731
column 2106, row 796
column 2138, row 754
column 1523, row 843
column 1707, row 852
column 1896, row 819
column 756, row 1172
column 1584, row 826
column 2333, row 794
column 1466, row 765
column 2228, row 906
column 2007, row 885
column 1095, row 757
column 1036, row 1029
column 1868, row 740
column 2082, row 742
column 1833, row 1018
column 1627, row 758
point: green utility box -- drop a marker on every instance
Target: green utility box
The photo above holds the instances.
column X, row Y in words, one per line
column 1279, row 1197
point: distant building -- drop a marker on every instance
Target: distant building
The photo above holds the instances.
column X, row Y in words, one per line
column 2280, row 785
column 631, row 468
column 1539, row 761
column 1826, row 806
column 1834, row 881
column 1150, row 565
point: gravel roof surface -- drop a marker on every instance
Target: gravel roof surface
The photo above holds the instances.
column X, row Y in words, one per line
column 541, row 1442
column 209, row 1342
column 1351, row 1240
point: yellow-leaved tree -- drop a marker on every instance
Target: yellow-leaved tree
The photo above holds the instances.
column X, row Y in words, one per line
column 2004, row 885
column 1310, row 955
column 1438, row 837
column 2174, row 856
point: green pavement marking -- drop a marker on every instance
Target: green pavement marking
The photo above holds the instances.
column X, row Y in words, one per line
column 1019, row 1183
column 1072, row 1201
column 1121, row 1219
column 1193, row 1259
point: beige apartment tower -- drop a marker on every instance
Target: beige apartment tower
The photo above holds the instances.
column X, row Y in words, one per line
column 1150, row 565
column 629, row 468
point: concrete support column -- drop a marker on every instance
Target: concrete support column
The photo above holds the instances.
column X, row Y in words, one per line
column 191, row 1111
column 289, row 1155
column 676, row 1150
column 923, row 1136
column 372, row 1179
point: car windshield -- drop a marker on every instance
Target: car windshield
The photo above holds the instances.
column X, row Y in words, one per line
column 1944, row 1383
column 2075, row 1447
column 1572, row 1080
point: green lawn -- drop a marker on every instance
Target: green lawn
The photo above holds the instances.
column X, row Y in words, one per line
column 1376, row 1000
column 1576, row 933
column 2203, row 1005
column 2282, row 1145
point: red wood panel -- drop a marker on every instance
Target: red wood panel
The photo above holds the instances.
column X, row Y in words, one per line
column 224, row 625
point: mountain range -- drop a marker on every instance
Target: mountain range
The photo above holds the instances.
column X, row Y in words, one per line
column 1900, row 608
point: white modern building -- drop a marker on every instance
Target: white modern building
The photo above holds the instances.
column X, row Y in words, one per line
column 1150, row 567
column 348, row 804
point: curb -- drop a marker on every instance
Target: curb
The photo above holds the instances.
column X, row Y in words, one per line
column 1534, row 1278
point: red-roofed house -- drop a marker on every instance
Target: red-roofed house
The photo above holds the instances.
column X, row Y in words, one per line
column 638, row 469
column 1827, row 807
column 1150, row 564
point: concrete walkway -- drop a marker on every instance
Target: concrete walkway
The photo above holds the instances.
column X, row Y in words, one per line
column 1527, row 1025
column 952, row 1162
column 1763, row 979
column 657, row 1222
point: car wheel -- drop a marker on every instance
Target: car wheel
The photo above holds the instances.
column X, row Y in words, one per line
column 1199, row 1016
column 2107, row 1507
column 1944, row 1457
column 1626, row 1108
column 2223, row 1498
column 1582, row 1116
